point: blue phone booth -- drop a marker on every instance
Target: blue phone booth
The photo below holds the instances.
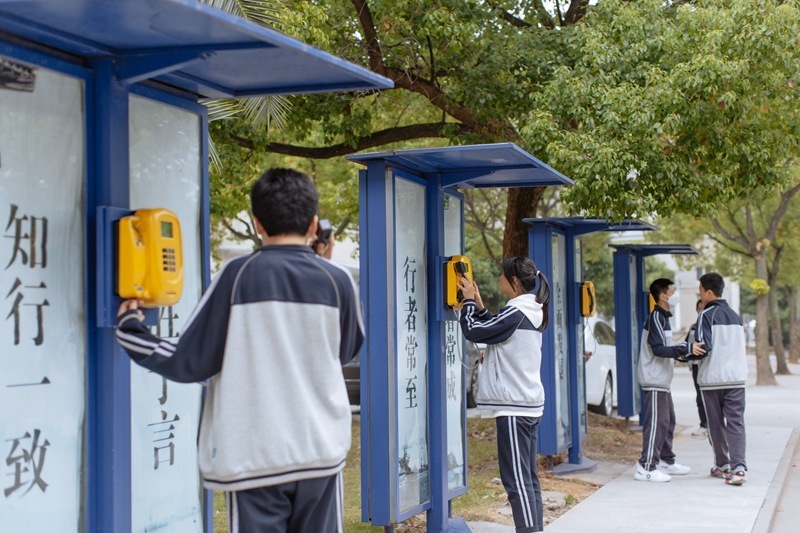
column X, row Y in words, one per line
column 413, row 409
column 555, row 247
column 631, row 309
column 99, row 103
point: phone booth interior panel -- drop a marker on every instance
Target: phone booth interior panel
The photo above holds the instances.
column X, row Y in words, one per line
column 631, row 309
column 100, row 106
column 413, row 409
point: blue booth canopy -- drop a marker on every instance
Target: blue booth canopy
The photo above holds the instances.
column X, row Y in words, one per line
column 184, row 44
column 645, row 250
column 480, row 165
column 582, row 226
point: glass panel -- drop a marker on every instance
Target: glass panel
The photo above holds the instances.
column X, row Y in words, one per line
column 455, row 356
column 42, row 272
column 561, row 355
column 166, row 172
column 579, row 351
column 412, row 343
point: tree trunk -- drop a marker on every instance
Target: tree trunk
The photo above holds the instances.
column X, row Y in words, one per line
column 764, row 375
column 522, row 203
column 777, row 333
column 794, row 325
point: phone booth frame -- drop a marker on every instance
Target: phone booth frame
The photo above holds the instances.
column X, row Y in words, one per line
column 442, row 172
column 564, row 234
column 631, row 309
column 172, row 52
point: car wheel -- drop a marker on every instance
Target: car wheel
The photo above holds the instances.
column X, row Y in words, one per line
column 606, row 404
column 472, row 387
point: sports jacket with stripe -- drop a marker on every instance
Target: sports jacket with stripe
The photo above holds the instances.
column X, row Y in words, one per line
column 509, row 383
column 724, row 365
column 656, row 352
column 270, row 334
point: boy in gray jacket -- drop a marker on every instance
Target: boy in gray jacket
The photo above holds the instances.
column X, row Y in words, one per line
column 722, row 376
column 270, row 335
column 656, row 356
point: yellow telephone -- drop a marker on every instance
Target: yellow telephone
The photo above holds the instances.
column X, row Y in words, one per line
column 588, row 299
column 150, row 257
column 458, row 265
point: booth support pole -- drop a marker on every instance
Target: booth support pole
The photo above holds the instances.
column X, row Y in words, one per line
column 437, row 400
column 108, row 417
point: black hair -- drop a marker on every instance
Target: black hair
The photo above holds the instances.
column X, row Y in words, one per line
column 659, row 287
column 284, row 201
column 698, row 304
column 531, row 279
column 713, row 282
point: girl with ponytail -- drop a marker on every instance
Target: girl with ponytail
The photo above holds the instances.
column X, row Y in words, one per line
column 509, row 384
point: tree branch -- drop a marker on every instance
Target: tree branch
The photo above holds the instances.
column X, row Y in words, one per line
column 726, row 245
column 728, row 235
column 774, row 269
column 508, row 17
column 379, row 138
column 576, row 11
column 786, row 197
column 735, row 223
column 370, row 36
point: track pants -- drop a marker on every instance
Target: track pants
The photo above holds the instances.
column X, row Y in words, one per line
column 701, row 410
column 725, row 411
column 516, row 448
column 658, row 429
column 301, row 506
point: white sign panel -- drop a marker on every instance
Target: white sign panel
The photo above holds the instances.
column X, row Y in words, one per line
column 412, row 344
column 559, row 296
column 43, row 298
column 455, row 354
column 166, row 171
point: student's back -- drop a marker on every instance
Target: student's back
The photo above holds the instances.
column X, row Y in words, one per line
column 722, row 331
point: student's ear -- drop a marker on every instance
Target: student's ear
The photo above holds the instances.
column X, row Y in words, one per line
column 259, row 228
column 312, row 228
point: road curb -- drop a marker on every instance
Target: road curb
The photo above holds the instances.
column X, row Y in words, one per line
column 766, row 514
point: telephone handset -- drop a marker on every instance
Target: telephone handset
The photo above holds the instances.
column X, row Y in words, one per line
column 150, row 257
column 455, row 267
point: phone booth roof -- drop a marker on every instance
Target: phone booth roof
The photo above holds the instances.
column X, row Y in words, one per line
column 582, row 225
column 184, row 44
column 474, row 166
column 658, row 249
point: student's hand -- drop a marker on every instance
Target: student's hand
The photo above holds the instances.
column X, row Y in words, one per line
column 324, row 250
column 697, row 348
column 127, row 305
column 470, row 290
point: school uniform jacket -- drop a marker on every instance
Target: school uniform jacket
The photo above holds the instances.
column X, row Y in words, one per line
column 509, row 383
column 270, row 334
column 657, row 352
column 724, row 365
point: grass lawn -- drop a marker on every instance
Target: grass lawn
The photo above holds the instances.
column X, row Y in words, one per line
column 609, row 440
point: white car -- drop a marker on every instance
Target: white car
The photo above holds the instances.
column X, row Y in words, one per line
column 601, row 366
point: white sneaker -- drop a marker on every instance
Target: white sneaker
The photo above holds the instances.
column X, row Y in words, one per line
column 653, row 475
column 700, row 432
column 673, row 469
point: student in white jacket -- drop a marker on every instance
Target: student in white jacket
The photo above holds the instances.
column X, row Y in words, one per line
column 509, row 385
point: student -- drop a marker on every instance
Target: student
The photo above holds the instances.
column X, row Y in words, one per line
column 270, row 334
column 656, row 357
column 510, row 388
column 694, row 365
column 722, row 377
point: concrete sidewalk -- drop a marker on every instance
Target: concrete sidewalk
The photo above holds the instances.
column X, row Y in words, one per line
column 698, row 502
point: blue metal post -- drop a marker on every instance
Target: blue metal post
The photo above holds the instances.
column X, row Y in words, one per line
column 437, row 388
column 109, row 431
column 624, row 301
column 378, row 392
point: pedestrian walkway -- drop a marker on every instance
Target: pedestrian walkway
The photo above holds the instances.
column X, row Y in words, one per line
column 697, row 502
